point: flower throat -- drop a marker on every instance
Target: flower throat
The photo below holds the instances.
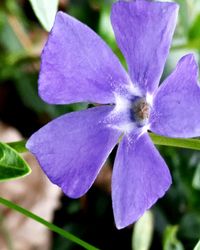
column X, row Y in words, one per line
column 141, row 110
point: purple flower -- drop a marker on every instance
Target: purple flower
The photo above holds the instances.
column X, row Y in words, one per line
column 78, row 66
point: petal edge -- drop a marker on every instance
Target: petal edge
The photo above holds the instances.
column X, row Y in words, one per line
column 72, row 148
column 144, row 32
column 78, row 66
column 176, row 105
column 140, row 177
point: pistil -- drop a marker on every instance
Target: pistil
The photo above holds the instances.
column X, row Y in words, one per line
column 141, row 110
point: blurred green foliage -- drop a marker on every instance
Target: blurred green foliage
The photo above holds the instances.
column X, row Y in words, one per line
column 170, row 242
column 177, row 215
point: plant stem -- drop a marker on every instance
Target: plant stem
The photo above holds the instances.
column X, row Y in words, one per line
column 20, row 147
column 49, row 225
column 176, row 142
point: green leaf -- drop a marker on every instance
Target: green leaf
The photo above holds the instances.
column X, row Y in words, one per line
column 142, row 233
column 170, row 241
column 197, row 247
column 45, row 10
column 105, row 27
column 196, row 179
column 12, row 166
column 19, row 146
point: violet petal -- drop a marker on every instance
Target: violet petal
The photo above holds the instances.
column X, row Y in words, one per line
column 140, row 177
column 144, row 32
column 176, row 108
column 72, row 148
column 78, row 66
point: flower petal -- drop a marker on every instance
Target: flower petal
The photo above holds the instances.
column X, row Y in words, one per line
column 72, row 148
column 176, row 107
column 144, row 32
column 140, row 177
column 78, row 66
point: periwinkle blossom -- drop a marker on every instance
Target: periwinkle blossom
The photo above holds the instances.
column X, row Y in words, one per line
column 78, row 66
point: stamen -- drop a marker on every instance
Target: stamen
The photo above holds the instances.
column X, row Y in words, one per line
column 141, row 110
